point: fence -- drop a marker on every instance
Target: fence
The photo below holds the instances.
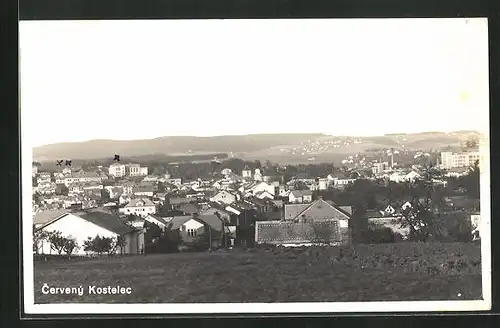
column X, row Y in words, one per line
column 285, row 232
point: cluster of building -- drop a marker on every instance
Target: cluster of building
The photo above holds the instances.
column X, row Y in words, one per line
column 113, row 202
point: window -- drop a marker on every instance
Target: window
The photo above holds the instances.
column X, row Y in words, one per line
column 191, row 232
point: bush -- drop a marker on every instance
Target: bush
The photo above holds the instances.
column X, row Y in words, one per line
column 459, row 230
column 380, row 235
column 424, row 258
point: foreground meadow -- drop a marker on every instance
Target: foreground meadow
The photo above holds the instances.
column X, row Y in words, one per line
column 390, row 272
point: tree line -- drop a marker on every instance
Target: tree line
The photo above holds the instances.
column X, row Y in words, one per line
column 424, row 218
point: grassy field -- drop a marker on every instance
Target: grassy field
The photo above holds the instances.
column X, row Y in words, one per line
column 397, row 272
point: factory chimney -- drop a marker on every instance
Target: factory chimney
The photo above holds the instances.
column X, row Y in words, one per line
column 392, row 158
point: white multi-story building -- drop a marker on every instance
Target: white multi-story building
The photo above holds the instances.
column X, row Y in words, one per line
column 379, row 168
column 451, row 160
column 246, row 173
column 143, row 171
column 257, row 176
column 117, row 170
column 133, row 170
column 322, row 183
column 44, row 178
column 139, row 206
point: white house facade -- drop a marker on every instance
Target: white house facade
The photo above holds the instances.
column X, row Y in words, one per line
column 139, row 206
column 117, row 170
column 82, row 226
column 224, row 197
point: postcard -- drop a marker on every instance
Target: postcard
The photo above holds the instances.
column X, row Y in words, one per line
column 255, row 166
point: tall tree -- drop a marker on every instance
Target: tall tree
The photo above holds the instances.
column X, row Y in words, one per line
column 57, row 241
column 223, row 228
column 70, row 245
column 472, row 142
column 421, row 218
column 39, row 236
column 118, row 243
column 105, row 197
column 61, row 189
column 358, row 224
column 471, row 182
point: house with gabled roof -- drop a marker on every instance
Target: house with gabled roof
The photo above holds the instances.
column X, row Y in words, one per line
column 139, row 206
column 161, row 222
column 89, row 224
column 303, row 224
column 217, row 208
column 264, row 194
column 246, row 173
column 189, row 208
column 192, row 227
column 300, row 196
column 224, row 196
column 44, row 216
column 388, row 210
column 252, row 188
column 320, row 210
column 412, row 176
column 144, row 190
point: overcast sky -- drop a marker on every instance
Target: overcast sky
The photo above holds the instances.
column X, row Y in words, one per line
column 83, row 80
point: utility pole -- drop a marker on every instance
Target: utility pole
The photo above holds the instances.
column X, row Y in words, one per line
column 209, row 237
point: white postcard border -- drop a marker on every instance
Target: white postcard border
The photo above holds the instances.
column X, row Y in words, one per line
column 227, row 308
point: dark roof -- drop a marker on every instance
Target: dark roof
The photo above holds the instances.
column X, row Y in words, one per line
column 219, row 207
column 176, row 221
column 257, row 201
column 244, row 205
column 100, row 217
column 276, row 202
column 179, row 200
column 212, row 220
column 346, row 209
column 106, row 220
column 189, row 208
column 46, row 216
column 300, row 193
column 143, row 188
column 293, row 210
column 160, row 219
column 320, row 200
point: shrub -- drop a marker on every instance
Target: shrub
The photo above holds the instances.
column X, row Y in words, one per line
column 379, row 235
column 459, row 229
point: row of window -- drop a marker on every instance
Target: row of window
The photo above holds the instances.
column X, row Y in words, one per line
column 139, row 210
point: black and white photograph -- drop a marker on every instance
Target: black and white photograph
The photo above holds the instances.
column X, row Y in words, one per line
column 255, row 166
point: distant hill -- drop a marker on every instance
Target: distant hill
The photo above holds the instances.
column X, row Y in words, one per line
column 167, row 145
column 258, row 146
